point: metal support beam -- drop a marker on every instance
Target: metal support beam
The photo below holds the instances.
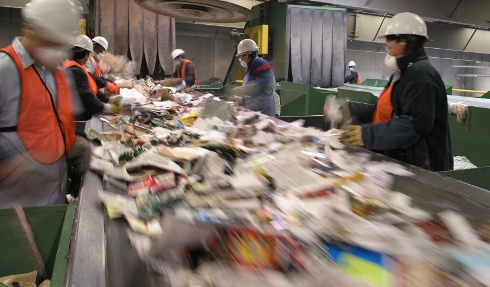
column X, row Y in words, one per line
column 379, row 28
column 474, row 32
column 455, row 8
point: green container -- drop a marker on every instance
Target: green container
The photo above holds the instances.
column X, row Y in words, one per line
column 362, row 95
column 52, row 227
column 471, row 138
column 449, row 89
column 302, row 99
column 374, row 83
column 479, row 177
column 211, row 85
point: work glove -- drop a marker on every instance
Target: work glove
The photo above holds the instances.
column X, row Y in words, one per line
column 115, row 100
column 336, row 112
column 346, row 115
column 236, row 99
column 352, row 135
column 112, row 87
column 111, row 109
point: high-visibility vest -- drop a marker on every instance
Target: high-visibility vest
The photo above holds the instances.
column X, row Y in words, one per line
column 46, row 132
column 182, row 68
column 91, row 82
column 98, row 71
column 384, row 110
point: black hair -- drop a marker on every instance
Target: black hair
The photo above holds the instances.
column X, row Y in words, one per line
column 415, row 43
column 79, row 53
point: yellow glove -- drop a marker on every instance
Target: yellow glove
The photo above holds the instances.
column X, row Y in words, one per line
column 352, row 136
column 111, row 109
column 346, row 115
column 236, row 99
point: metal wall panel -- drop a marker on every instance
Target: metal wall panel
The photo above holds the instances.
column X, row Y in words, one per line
column 371, row 65
column 200, row 50
column 448, row 37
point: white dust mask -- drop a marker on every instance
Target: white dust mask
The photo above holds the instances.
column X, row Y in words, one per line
column 391, row 63
column 50, row 57
column 243, row 63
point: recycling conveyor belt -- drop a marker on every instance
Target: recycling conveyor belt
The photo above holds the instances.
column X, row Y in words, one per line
column 101, row 254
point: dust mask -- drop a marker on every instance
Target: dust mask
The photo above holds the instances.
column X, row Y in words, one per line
column 352, row 69
column 100, row 56
column 176, row 62
column 243, row 63
column 50, row 57
column 391, row 63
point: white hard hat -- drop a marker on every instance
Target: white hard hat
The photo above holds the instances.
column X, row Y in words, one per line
column 101, row 41
column 84, row 42
column 406, row 24
column 177, row 52
column 54, row 20
column 246, row 46
column 352, row 64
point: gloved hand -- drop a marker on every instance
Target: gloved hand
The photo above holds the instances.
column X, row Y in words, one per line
column 346, row 115
column 236, row 99
column 115, row 100
column 352, row 136
column 112, row 87
column 111, row 109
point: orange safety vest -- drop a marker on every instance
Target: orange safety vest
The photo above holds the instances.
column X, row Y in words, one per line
column 47, row 133
column 91, row 82
column 98, row 71
column 384, row 110
column 181, row 71
column 358, row 78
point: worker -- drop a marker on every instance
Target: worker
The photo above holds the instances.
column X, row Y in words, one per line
column 100, row 45
column 36, row 106
column 409, row 122
column 185, row 68
column 353, row 77
column 94, row 102
column 258, row 87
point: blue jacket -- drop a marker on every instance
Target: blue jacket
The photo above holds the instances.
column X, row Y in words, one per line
column 418, row 132
column 259, row 73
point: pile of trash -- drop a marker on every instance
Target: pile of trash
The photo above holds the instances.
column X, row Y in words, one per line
column 255, row 200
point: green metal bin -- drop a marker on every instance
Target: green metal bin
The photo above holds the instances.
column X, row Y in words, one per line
column 52, row 227
column 475, row 176
column 302, row 99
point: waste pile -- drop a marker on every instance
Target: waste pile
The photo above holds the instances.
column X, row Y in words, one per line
column 217, row 195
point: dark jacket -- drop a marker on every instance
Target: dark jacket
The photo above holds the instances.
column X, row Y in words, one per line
column 418, row 132
column 91, row 103
column 190, row 74
column 260, row 82
column 351, row 78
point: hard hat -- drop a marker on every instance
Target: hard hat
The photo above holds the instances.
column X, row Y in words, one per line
column 101, row 41
column 177, row 52
column 245, row 46
column 54, row 20
column 84, row 42
column 406, row 24
column 352, row 64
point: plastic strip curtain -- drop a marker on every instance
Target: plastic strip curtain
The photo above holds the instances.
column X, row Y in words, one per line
column 121, row 22
column 315, row 46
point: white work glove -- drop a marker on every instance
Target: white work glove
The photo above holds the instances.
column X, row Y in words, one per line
column 236, row 99
column 111, row 109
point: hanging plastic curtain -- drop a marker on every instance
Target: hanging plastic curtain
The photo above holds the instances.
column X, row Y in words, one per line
column 127, row 26
column 315, row 45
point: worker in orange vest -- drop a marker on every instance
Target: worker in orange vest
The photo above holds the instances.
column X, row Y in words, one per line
column 353, row 77
column 186, row 69
column 94, row 102
column 409, row 121
column 37, row 130
column 100, row 45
